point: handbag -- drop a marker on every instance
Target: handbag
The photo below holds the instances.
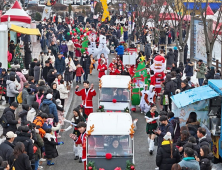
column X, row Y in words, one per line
column 165, row 100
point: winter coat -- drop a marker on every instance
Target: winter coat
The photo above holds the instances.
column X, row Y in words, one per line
column 45, row 72
column 50, row 146
column 12, row 73
column 63, row 48
column 11, row 92
column 31, row 69
column 120, row 50
column 10, row 117
column 205, row 162
column 170, row 87
column 54, row 48
column 21, row 163
column 148, row 50
column 52, row 108
column 33, row 86
column 50, row 79
column 70, row 46
column 210, row 74
column 181, row 143
column 164, row 130
column 39, row 143
column 193, row 146
column 125, row 35
column 5, row 78
column 163, row 157
column 25, row 95
column 201, row 73
column 189, row 162
column 24, row 137
column 187, row 87
column 176, row 126
column 63, row 91
column 56, row 94
column 30, row 99
column 6, row 150
column 170, row 58
column 85, row 65
column 205, row 141
column 60, row 65
column 193, row 128
column 178, row 77
column 23, row 116
column 217, row 76
column 79, row 71
column 176, row 55
column 31, row 115
column 22, row 80
column 37, row 73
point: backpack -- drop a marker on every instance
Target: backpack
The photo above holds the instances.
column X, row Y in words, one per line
column 44, row 108
column 19, row 98
column 39, row 100
column 3, row 121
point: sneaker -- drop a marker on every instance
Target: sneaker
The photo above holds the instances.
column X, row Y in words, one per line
column 80, row 160
column 151, row 152
column 76, row 158
column 42, row 160
column 40, row 167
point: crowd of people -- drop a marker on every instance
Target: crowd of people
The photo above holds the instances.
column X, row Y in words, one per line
column 42, row 91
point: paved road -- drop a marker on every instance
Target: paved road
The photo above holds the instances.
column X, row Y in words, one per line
column 66, row 157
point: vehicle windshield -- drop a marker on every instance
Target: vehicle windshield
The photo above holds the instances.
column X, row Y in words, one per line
column 108, row 94
column 117, row 145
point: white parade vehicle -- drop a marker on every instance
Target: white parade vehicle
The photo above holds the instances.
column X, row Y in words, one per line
column 110, row 141
column 115, row 93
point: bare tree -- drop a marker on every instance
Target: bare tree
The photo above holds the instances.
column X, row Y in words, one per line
column 212, row 28
column 180, row 25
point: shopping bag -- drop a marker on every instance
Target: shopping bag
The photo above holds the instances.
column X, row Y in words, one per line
column 165, row 100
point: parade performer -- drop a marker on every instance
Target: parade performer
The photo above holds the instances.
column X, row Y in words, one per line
column 101, row 68
column 87, row 95
column 158, row 67
column 149, row 98
column 151, row 126
column 142, row 100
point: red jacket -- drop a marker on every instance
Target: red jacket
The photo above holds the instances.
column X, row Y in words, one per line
column 101, row 69
column 114, row 71
column 82, row 140
column 86, row 97
column 79, row 72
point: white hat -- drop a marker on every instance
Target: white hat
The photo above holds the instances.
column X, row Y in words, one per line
column 24, row 71
column 58, row 101
column 49, row 96
column 167, row 136
column 10, row 135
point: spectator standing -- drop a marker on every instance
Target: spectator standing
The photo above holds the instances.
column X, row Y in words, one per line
column 10, row 90
column 85, row 62
column 120, row 51
column 200, row 69
column 60, row 65
column 170, row 59
column 46, row 69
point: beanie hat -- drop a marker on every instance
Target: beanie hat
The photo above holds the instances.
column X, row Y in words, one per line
column 167, row 136
column 175, row 48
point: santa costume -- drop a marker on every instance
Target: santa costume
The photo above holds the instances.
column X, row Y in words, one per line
column 149, row 98
column 87, row 95
column 158, row 67
column 101, row 68
column 142, row 100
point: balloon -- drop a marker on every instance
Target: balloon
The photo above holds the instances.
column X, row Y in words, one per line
column 81, row 29
column 75, row 33
column 74, row 29
column 82, row 50
column 78, row 31
column 78, row 38
column 87, row 29
column 84, row 31
column 68, row 33
column 87, row 33
column 86, row 49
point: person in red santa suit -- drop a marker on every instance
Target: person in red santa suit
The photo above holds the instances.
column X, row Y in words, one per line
column 101, row 68
column 82, row 140
column 158, row 67
column 87, row 95
column 111, row 65
column 114, row 70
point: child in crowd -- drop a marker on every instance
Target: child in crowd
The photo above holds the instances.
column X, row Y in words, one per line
column 79, row 72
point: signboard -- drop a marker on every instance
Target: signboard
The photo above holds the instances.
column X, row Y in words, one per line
column 129, row 23
column 131, row 50
column 46, row 12
column 129, row 59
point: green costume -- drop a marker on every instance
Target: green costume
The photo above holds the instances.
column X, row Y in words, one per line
column 151, row 126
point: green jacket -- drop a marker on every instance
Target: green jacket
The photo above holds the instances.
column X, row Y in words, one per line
column 201, row 73
column 38, row 143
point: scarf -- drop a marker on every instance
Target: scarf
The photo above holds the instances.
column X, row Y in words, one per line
column 188, row 158
column 152, row 114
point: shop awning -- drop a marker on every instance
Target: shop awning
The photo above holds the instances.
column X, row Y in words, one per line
column 27, row 31
column 194, row 95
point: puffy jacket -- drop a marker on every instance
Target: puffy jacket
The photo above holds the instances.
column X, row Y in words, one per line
column 60, row 65
column 63, row 91
column 205, row 162
column 50, row 146
column 193, row 128
column 170, row 87
column 25, row 139
column 163, row 157
column 10, row 117
column 11, row 92
column 205, row 141
column 52, row 108
column 201, row 73
column 193, row 146
column 180, row 143
column 120, row 50
column 170, row 58
column 22, row 80
column 6, row 150
column 164, row 130
column 39, row 144
column 25, row 95
column 21, row 163
column 210, row 74
column 63, row 48
column 189, row 162
column 176, row 126
column 39, row 122
column 189, row 69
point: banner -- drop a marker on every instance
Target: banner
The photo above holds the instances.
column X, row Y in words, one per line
column 46, row 12
column 129, row 23
column 121, row 9
column 92, row 7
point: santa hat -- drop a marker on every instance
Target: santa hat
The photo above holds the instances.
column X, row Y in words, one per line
column 159, row 59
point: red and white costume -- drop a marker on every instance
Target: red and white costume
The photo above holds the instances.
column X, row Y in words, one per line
column 101, row 68
column 87, row 99
column 158, row 67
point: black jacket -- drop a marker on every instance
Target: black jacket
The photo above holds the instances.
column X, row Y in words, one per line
column 5, row 78
column 205, row 162
column 193, row 146
column 163, row 157
column 50, row 148
column 56, row 94
column 170, row 87
column 205, row 141
column 21, row 163
column 51, row 78
column 25, row 139
column 176, row 125
column 178, row 77
column 31, row 69
column 164, row 129
column 180, row 143
column 45, row 72
column 10, row 116
column 6, row 150
column 85, row 63
column 210, row 74
column 33, row 86
column 187, row 87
